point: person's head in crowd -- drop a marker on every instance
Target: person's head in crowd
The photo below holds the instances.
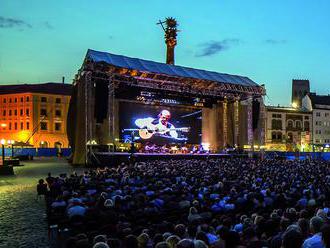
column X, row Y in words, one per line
column 316, row 224
column 292, row 239
column 130, row 241
column 162, row 244
column 232, row 239
column 202, row 236
column 166, row 235
column 172, row 241
column 284, row 223
column 304, row 227
column 100, row 238
column 180, row 230
column 186, row 243
column 158, row 238
column 326, row 235
column 101, row 245
column 143, row 240
column 200, row 244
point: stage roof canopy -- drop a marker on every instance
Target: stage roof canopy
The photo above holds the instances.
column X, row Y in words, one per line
column 166, row 69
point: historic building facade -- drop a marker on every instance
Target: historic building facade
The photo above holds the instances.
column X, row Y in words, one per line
column 288, row 129
column 320, row 107
column 35, row 114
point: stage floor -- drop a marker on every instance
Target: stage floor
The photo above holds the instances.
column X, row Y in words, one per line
column 113, row 158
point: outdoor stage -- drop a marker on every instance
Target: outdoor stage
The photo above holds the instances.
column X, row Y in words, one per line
column 115, row 95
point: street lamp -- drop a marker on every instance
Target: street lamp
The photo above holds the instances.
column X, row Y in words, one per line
column 294, row 105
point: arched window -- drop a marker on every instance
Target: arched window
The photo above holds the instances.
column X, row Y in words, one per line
column 298, row 124
column 274, row 138
column 279, row 136
column 290, row 137
column 290, row 123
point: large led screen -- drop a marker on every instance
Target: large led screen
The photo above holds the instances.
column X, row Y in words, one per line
column 159, row 124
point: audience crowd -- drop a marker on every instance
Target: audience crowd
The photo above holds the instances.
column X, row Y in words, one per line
column 218, row 203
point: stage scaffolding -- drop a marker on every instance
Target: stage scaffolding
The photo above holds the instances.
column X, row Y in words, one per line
column 227, row 121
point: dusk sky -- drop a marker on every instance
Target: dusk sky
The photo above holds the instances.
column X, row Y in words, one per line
column 269, row 41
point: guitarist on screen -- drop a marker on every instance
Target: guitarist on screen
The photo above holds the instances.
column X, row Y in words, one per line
column 161, row 125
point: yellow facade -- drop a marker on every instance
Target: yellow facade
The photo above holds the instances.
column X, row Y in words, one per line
column 37, row 118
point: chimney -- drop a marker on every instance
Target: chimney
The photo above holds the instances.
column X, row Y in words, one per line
column 63, row 80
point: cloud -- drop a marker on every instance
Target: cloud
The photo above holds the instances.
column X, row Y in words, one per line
column 13, row 23
column 275, row 42
column 48, row 25
column 213, row 47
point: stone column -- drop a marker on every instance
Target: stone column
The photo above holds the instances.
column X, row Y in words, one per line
column 262, row 122
column 111, row 111
column 225, row 123
column 250, row 123
column 236, row 122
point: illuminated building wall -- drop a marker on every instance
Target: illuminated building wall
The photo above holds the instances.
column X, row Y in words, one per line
column 37, row 117
column 288, row 129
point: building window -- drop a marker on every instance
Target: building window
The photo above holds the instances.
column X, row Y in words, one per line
column 43, row 99
column 22, row 126
column 58, row 126
column 317, row 131
column 298, row 124
column 10, row 100
column 277, row 124
column 4, row 113
column 290, row 137
column 21, row 112
column 15, row 112
column 15, row 99
column 4, row 100
column 276, row 115
column 58, row 100
column 43, row 125
column 28, row 125
column 9, row 112
column 306, row 117
column 326, row 114
column 21, row 99
column 43, row 144
column 27, row 112
column 276, row 136
column 43, row 112
column 290, row 124
column 306, row 125
column 15, row 126
column 27, row 99
column 58, row 113
column 318, row 114
column 9, row 125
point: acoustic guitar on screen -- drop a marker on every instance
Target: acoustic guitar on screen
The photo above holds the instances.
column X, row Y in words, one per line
column 145, row 133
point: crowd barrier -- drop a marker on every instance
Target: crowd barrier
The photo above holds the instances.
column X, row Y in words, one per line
column 36, row 152
column 300, row 155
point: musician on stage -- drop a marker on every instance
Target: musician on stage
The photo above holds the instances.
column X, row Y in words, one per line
column 160, row 125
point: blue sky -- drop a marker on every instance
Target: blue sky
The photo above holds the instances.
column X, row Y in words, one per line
column 269, row 41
